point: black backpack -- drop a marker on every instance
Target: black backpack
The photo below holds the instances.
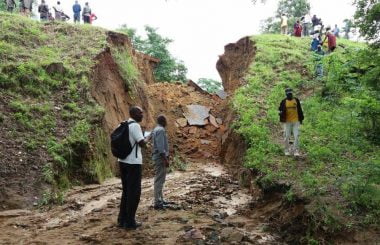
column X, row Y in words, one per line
column 120, row 145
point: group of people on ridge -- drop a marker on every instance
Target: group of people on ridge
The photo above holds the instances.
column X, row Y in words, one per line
column 26, row 7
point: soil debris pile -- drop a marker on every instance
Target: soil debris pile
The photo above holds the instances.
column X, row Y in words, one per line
column 196, row 119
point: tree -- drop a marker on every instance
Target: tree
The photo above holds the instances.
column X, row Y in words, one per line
column 210, row 85
column 295, row 9
column 169, row 69
column 367, row 18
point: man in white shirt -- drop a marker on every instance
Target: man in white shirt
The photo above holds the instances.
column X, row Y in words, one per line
column 131, row 172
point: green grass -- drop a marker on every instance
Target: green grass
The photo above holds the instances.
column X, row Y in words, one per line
column 53, row 111
column 342, row 167
column 127, row 68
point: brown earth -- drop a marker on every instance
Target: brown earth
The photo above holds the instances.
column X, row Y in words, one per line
column 210, row 209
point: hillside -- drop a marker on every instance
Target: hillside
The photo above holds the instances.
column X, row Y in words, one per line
column 334, row 185
column 65, row 87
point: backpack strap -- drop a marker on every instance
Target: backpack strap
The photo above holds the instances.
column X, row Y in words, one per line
column 136, row 143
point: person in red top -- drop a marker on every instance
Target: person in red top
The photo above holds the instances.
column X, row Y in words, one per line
column 297, row 29
column 93, row 17
column 331, row 39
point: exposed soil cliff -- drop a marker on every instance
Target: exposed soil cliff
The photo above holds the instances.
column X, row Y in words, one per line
column 232, row 67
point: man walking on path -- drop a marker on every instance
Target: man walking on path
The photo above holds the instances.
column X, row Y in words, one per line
column 318, row 57
column 131, row 172
column 77, row 9
column 11, row 5
column 160, row 157
column 86, row 13
column 284, row 24
column 43, row 9
column 292, row 116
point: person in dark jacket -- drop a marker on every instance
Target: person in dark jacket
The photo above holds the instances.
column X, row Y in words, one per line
column 43, row 9
column 77, row 9
column 291, row 115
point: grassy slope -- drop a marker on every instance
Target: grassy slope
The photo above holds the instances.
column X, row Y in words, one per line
column 340, row 173
column 53, row 112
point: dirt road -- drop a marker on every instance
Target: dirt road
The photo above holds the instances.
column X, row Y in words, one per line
column 211, row 209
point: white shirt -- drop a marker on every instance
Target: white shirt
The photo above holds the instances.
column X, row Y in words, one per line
column 135, row 136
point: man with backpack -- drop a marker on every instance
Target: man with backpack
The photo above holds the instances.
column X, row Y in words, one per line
column 43, row 9
column 160, row 157
column 291, row 115
column 126, row 143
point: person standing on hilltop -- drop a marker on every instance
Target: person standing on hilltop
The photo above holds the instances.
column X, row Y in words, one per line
column 298, row 29
column 26, row 7
column 336, row 31
column 291, row 115
column 86, row 13
column 93, row 17
column 58, row 11
column 77, row 9
column 11, row 5
column 306, row 21
column 284, row 24
column 131, row 172
column 43, row 9
column 160, row 157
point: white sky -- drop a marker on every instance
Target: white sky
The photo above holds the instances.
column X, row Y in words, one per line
column 200, row 28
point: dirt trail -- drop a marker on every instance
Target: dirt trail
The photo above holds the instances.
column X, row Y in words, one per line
column 211, row 209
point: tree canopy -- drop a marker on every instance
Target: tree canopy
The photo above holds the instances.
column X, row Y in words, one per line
column 367, row 18
column 292, row 8
column 169, row 69
column 210, row 85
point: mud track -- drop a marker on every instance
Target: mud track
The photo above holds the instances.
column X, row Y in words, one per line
column 210, row 209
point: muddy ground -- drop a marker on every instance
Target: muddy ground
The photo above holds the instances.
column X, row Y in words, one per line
column 210, row 208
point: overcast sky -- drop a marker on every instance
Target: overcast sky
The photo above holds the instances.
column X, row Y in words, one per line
column 200, row 28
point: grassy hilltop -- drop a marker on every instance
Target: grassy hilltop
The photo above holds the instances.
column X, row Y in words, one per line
column 47, row 112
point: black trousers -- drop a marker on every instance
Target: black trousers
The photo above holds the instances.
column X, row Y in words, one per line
column 130, row 198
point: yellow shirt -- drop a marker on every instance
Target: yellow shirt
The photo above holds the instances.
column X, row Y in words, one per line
column 291, row 111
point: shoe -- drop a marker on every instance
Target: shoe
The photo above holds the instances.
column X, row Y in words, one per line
column 159, row 206
column 296, row 153
column 167, row 202
column 133, row 226
column 287, row 153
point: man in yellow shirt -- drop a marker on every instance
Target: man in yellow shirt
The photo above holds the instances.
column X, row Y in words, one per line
column 291, row 115
column 284, row 24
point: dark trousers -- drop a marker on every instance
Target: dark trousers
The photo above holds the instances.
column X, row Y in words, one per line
column 86, row 19
column 130, row 198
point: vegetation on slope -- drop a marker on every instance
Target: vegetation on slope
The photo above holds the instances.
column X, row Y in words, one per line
column 340, row 174
column 44, row 72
